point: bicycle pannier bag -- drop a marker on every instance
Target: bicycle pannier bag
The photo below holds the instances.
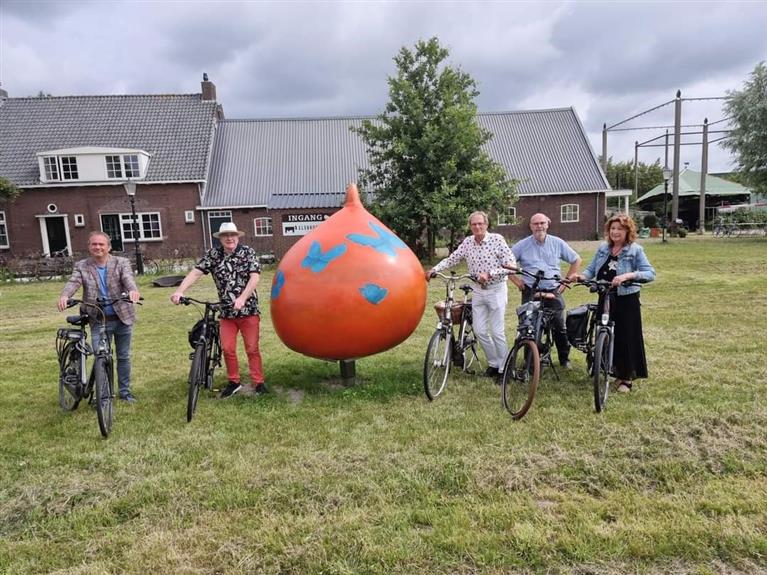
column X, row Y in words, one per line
column 577, row 323
column 195, row 333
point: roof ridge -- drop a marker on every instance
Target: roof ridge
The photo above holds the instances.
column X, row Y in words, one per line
column 369, row 117
column 100, row 96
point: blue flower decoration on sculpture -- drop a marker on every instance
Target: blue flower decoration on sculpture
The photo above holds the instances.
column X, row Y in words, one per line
column 317, row 261
column 384, row 242
column 279, row 281
column 373, row 293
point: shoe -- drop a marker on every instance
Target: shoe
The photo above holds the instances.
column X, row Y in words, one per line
column 499, row 378
column 231, row 388
column 624, row 387
column 566, row 364
column 261, row 388
column 491, row 371
column 128, row 398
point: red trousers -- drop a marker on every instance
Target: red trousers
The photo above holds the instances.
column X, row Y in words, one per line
column 249, row 327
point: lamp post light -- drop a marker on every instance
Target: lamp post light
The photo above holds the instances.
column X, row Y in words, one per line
column 130, row 189
column 666, row 178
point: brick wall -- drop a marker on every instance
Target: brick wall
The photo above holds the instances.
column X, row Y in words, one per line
column 584, row 229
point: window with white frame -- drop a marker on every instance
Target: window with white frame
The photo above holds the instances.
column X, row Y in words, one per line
column 79, row 220
column 148, row 226
column 507, row 217
column 215, row 219
column 189, row 216
column 69, row 168
column 51, row 167
column 263, row 226
column 569, row 213
column 119, row 165
column 130, row 163
column 3, row 232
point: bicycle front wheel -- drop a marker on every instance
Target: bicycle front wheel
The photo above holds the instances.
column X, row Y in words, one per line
column 198, row 375
column 521, row 374
column 69, row 380
column 601, row 367
column 104, row 390
column 436, row 366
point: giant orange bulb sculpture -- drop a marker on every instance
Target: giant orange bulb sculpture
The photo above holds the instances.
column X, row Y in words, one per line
column 348, row 289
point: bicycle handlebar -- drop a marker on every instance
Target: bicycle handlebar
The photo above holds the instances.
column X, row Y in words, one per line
column 101, row 303
column 454, row 277
column 212, row 304
column 596, row 285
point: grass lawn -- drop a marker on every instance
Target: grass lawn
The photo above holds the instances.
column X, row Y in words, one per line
column 321, row 478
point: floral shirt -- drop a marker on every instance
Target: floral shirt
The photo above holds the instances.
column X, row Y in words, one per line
column 231, row 274
column 486, row 256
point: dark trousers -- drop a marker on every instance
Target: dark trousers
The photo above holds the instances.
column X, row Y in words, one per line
column 557, row 311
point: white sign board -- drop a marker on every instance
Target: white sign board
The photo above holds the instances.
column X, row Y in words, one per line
column 301, row 224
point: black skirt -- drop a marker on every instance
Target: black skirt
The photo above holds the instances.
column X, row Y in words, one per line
column 629, row 360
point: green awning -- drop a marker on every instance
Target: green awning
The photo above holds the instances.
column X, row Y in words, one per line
column 689, row 185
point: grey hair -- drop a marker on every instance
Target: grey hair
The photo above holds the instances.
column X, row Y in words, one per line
column 478, row 213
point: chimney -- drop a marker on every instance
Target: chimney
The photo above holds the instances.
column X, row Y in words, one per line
column 208, row 89
column 3, row 96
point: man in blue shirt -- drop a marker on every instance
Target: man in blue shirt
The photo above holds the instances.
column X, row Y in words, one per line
column 543, row 252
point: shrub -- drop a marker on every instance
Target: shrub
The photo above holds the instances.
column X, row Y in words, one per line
column 650, row 221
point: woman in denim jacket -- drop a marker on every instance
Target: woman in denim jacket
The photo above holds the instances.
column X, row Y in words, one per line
column 620, row 259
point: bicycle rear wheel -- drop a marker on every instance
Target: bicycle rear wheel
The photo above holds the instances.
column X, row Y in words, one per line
column 198, row 377
column 601, row 367
column 467, row 347
column 521, row 374
column 104, row 391
column 69, row 379
column 436, row 366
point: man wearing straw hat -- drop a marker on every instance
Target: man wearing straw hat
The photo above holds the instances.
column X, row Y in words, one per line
column 236, row 271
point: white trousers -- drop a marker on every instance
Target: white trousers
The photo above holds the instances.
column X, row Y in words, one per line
column 489, row 309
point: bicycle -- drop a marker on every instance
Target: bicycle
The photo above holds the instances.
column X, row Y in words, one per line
column 532, row 349
column 443, row 349
column 73, row 350
column 599, row 338
column 205, row 339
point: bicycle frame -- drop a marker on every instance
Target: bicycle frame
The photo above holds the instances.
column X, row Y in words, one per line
column 442, row 350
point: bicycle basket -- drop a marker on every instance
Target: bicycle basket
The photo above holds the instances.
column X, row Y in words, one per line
column 455, row 311
column 196, row 333
column 577, row 324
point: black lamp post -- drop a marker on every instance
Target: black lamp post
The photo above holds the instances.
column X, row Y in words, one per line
column 130, row 189
column 666, row 178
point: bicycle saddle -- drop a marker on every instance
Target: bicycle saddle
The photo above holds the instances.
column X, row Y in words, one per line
column 79, row 320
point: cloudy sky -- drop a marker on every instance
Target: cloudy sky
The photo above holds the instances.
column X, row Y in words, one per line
column 608, row 60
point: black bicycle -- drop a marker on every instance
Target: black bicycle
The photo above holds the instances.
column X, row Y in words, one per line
column 444, row 349
column 73, row 350
column 206, row 341
column 593, row 333
column 532, row 348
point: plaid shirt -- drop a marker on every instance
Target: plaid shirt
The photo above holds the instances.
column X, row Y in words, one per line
column 231, row 274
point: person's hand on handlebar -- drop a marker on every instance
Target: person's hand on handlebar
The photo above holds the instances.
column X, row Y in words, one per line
column 62, row 303
column 619, row 279
column 429, row 274
column 176, row 297
column 134, row 296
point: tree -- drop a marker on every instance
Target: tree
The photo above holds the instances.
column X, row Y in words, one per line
column 747, row 109
column 8, row 189
column 621, row 175
column 427, row 166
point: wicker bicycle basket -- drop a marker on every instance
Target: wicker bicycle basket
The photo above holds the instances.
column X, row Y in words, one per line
column 456, row 311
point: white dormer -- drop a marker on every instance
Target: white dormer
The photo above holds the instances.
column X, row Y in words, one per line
column 92, row 164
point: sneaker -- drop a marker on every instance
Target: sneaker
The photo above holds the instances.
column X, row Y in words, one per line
column 491, row 371
column 261, row 388
column 231, row 388
column 129, row 398
column 566, row 364
column 624, row 387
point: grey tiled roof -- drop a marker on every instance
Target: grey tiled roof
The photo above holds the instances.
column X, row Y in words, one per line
column 254, row 161
column 306, row 163
column 175, row 129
